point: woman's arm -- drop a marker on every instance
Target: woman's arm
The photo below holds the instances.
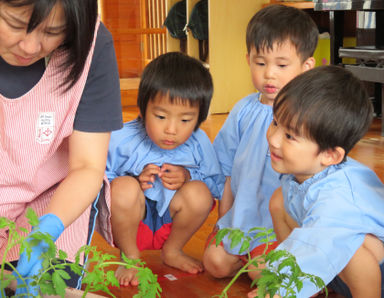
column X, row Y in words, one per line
column 87, row 159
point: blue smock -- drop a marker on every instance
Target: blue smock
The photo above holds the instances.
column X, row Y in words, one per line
column 242, row 149
column 130, row 150
column 335, row 210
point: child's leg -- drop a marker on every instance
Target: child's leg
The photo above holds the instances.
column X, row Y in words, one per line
column 189, row 208
column 127, row 210
column 362, row 274
column 219, row 263
column 283, row 224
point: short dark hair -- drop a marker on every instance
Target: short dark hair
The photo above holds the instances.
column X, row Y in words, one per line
column 181, row 78
column 278, row 23
column 327, row 104
column 81, row 16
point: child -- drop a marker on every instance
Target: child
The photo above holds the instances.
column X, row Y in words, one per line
column 329, row 210
column 163, row 169
column 277, row 52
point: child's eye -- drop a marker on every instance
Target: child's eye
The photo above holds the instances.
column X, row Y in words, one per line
column 160, row 117
column 260, row 63
column 186, row 120
column 282, row 65
column 289, row 136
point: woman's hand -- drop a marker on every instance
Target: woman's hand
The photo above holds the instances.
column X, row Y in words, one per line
column 173, row 177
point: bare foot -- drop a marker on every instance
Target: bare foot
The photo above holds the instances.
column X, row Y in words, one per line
column 126, row 276
column 181, row 261
column 252, row 294
column 255, row 272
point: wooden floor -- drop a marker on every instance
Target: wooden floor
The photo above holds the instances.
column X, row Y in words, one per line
column 369, row 151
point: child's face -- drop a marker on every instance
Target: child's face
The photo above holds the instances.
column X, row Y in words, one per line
column 272, row 69
column 168, row 124
column 293, row 154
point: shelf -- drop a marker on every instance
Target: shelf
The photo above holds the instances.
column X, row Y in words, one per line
column 297, row 4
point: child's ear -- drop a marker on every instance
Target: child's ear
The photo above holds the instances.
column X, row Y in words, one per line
column 309, row 63
column 247, row 57
column 332, row 156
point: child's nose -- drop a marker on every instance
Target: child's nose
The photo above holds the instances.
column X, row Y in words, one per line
column 273, row 136
column 171, row 127
column 269, row 72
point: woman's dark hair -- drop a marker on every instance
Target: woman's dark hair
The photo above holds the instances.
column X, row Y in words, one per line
column 278, row 23
column 80, row 16
column 180, row 78
column 327, row 104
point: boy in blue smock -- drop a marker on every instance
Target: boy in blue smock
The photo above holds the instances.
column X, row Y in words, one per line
column 280, row 42
column 163, row 169
column 329, row 210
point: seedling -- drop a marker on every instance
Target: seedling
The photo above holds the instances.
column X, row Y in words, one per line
column 286, row 277
column 51, row 279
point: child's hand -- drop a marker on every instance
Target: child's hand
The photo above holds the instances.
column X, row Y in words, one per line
column 148, row 175
column 174, row 177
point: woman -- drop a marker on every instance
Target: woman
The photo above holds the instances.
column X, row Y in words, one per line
column 59, row 101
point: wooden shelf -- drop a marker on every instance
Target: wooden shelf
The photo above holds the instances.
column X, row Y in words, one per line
column 297, row 4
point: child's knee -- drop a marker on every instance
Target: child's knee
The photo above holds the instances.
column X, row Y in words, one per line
column 125, row 192
column 375, row 246
column 276, row 203
column 196, row 196
column 216, row 263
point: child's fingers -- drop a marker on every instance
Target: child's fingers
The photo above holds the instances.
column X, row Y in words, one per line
column 172, row 186
column 145, row 186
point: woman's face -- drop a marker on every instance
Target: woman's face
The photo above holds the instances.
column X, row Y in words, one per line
column 19, row 48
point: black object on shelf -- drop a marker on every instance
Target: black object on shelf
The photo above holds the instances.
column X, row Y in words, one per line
column 368, row 53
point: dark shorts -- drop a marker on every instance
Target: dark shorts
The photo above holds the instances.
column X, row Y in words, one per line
column 341, row 288
column 154, row 229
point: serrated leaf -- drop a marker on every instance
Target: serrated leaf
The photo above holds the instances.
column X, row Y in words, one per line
column 220, row 235
column 111, row 278
column 59, row 284
column 63, row 274
column 62, row 255
column 244, row 247
column 32, row 216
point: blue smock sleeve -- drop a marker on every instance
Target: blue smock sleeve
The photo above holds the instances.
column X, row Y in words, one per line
column 122, row 152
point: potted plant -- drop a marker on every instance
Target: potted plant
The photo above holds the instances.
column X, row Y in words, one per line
column 51, row 279
column 287, row 276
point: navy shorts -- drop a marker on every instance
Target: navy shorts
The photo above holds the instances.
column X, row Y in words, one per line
column 341, row 288
column 154, row 229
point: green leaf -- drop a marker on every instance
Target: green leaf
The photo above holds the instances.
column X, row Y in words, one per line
column 59, row 284
column 32, row 216
column 4, row 222
column 220, row 235
column 112, row 280
column 62, row 255
column 244, row 247
column 63, row 274
column 47, row 288
column 235, row 236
